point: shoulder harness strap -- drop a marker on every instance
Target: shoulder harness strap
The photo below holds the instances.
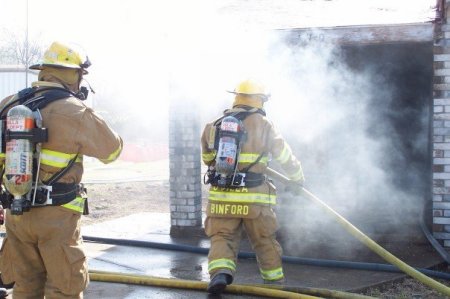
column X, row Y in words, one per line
column 251, row 179
column 49, row 94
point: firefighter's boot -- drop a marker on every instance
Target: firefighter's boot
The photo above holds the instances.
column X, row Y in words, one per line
column 219, row 282
column 3, row 293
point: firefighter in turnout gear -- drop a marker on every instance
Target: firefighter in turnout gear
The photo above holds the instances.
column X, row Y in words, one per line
column 43, row 249
column 240, row 196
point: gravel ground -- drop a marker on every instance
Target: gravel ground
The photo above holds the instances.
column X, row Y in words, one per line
column 405, row 289
column 110, row 201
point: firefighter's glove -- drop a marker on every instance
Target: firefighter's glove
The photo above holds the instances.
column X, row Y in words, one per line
column 295, row 187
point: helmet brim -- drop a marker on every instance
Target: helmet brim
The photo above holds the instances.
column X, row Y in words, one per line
column 264, row 97
column 41, row 66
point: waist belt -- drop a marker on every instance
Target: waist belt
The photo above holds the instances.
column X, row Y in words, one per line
column 241, row 179
column 56, row 194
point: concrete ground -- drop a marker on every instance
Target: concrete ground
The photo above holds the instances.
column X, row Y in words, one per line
column 155, row 227
column 152, row 227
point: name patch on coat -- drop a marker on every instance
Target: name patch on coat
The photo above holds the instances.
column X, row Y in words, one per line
column 228, row 209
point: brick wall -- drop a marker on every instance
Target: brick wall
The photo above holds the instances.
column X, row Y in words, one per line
column 185, row 168
column 441, row 129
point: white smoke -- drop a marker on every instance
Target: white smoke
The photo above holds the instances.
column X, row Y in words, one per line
column 347, row 143
column 324, row 109
column 191, row 52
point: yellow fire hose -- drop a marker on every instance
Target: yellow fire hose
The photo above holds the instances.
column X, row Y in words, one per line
column 386, row 255
column 315, row 292
column 189, row 284
column 273, row 291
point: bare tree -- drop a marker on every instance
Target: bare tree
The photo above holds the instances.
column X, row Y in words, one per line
column 17, row 49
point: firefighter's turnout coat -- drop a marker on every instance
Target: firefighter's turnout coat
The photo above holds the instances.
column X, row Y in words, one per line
column 230, row 208
column 43, row 252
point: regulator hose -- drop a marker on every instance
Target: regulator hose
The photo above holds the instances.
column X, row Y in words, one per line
column 104, row 276
column 364, row 238
column 251, row 255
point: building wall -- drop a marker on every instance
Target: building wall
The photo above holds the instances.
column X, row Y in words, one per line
column 185, row 168
column 441, row 129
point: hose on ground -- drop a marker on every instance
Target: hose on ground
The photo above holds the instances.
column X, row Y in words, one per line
column 251, row 255
column 104, row 276
column 442, row 252
column 316, row 292
column 386, row 255
column 273, row 291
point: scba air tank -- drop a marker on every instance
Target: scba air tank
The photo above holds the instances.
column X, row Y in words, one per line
column 19, row 156
column 227, row 152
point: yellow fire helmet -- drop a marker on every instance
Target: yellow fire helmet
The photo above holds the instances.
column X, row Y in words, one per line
column 62, row 56
column 252, row 87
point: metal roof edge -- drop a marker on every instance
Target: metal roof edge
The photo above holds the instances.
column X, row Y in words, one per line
column 363, row 34
column 15, row 69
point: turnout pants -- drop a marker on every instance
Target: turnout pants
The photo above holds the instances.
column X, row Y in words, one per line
column 225, row 234
column 42, row 253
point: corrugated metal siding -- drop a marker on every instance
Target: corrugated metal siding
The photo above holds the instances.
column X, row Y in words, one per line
column 12, row 81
